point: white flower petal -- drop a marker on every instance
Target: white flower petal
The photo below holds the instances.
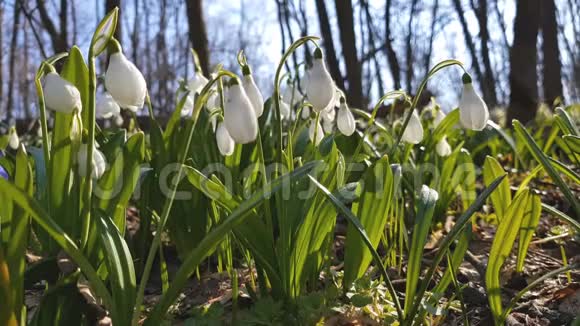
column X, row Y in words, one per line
column 106, row 106
column 345, row 120
column 413, row 134
column 254, row 94
column 320, row 87
column 13, row 140
column 319, row 132
column 443, row 148
column 125, row 82
column 239, row 116
column 60, row 95
column 473, row 112
column 225, row 143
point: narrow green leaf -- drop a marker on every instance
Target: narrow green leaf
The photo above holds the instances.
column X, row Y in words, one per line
column 120, row 267
column 542, row 159
column 39, row 215
column 104, row 32
column 376, row 257
column 527, row 228
column 455, row 232
column 236, row 218
column 375, row 195
column 426, row 205
column 502, row 197
column 501, row 247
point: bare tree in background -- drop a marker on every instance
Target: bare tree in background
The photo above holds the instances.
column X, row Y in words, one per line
column 552, row 67
column 197, row 32
column 488, row 85
column 344, row 15
column 523, row 62
column 10, row 103
column 409, row 48
column 328, row 43
column 59, row 38
column 389, row 49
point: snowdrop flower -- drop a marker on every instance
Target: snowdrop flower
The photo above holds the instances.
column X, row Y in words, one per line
column 239, row 115
column 320, row 87
column 197, row 83
column 225, row 143
column 305, row 113
column 473, row 113
column 187, row 108
column 13, row 140
column 315, row 128
column 119, row 120
column 443, row 148
column 345, row 120
column 106, row 107
column 328, row 115
column 284, row 110
column 253, row 91
column 438, row 116
column 60, row 95
column 413, row 134
column 98, row 161
column 125, row 82
column 76, row 128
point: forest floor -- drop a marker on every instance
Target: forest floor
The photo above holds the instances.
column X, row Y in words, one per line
column 556, row 301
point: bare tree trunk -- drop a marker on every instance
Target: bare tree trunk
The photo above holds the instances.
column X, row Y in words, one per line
column 328, row 43
column 390, row 51
column 110, row 5
column 135, row 34
column 344, row 14
column 373, row 50
column 488, row 85
column 12, row 63
column 25, row 82
column 552, row 67
column 197, row 32
column 74, row 24
column 409, row 49
column 58, row 38
column 427, row 58
column 161, row 57
column 523, row 62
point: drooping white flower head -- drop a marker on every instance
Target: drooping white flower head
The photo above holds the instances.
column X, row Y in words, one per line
column 345, row 120
column 473, row 112
column 315, row 128
column 106, row 106
column 253, row 91
column 443, row 148
column 284, row 110
column 239, row 115
column 197, row 83
column 119, row 120
column 76, row 129
column 225, row 143
column 187, row 108
column 13, row 140
column 413, row 134
column 125, row 82
column 329, row 114
column 99, row 162
column 60, row 95
column 438, row 116
column 305, row 113
column 320, row 87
